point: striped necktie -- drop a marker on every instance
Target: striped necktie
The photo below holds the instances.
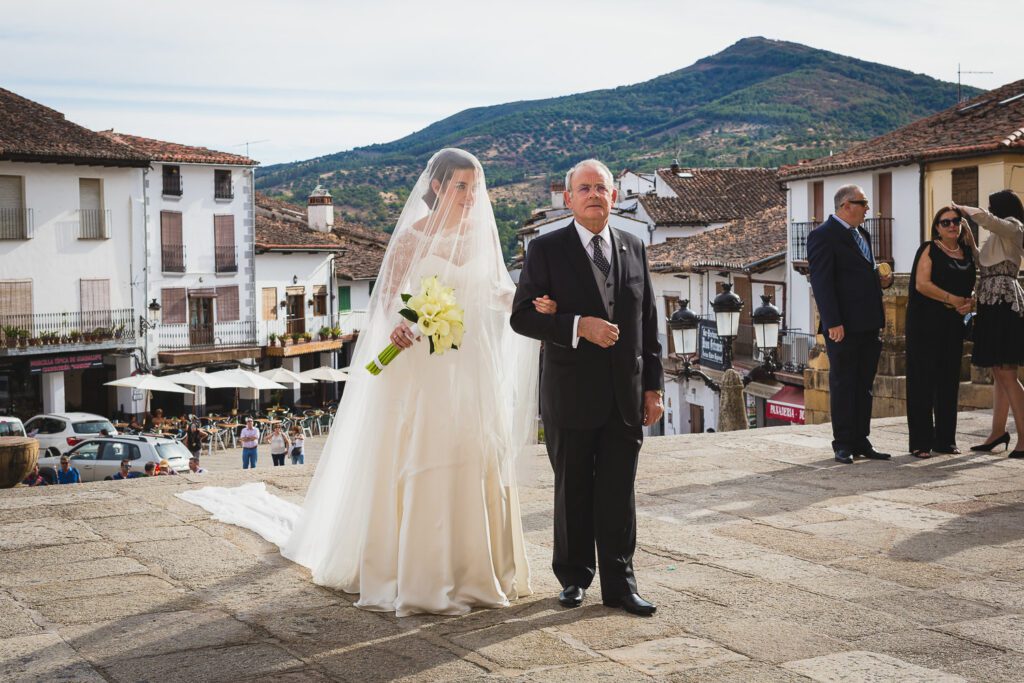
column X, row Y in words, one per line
column 599, row 257
column 861, row 244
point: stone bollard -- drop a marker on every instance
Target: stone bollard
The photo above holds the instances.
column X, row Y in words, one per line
column 18, row 454
column 732, row 410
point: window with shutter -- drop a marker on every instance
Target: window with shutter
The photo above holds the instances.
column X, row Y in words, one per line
column 227, row 304
column 16, row 304
column 345, row 298
column 13, row 215
column 319, row 299
column 270, row 303
column 90, row 209
column 224, row 244
column 172, row 181
column 172, row 248
column 222, row 185
column 172, row 303
column 95, row 303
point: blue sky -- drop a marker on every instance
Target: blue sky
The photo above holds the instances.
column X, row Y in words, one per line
column 314, row 76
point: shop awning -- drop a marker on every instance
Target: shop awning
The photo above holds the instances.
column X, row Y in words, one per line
column 787, row 404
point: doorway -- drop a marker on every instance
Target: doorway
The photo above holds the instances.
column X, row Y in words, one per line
column 200, row 321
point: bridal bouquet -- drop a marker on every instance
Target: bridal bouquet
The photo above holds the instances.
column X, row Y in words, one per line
column 434, row 313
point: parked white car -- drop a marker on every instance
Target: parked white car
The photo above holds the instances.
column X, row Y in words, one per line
column 11, row 426
column 59, row 432
column 100, row 458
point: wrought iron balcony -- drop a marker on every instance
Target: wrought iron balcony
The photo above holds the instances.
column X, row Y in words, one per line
column 223, row 191
column 197, row 336
column 172, row 186
column 880, row 230
column 795, row 349
column 172, row 258
column 34, row 332
column 16, row 224
column 798, row 239
column 226, row 259
column 94, row 224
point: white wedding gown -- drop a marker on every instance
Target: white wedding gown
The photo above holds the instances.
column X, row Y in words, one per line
column 410, row 506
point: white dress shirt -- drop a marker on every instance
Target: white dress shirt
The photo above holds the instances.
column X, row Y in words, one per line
column 586, row 238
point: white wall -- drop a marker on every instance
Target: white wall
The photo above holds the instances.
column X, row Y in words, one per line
column 55, row 259
column 631, row 184
column 906, row 213
column 278, row 270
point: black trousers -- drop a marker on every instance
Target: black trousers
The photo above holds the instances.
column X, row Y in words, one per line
column 278, row 459
column 594, row 504
column 853, row 363
column 933, row 383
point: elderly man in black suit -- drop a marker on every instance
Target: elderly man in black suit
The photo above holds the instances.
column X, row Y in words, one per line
column 601, row 383
column 848, row 290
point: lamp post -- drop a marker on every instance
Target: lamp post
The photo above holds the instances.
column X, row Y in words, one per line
column 727, row 307
column 766, row 335
column 683, row 326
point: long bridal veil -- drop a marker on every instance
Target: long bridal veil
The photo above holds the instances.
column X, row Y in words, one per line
column 468, row 410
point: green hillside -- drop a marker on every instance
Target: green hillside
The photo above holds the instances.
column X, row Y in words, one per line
column 759, row 102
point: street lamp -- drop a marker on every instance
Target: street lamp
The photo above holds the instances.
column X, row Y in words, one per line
column 683, row 326
column 154, row 318
column 766, row 335
column 727, row 307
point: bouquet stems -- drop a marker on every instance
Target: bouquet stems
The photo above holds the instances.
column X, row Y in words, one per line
column 383, row 359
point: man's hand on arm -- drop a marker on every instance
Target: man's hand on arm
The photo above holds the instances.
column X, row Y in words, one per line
column 836, row 333
column 598, row 331
column 653, row 407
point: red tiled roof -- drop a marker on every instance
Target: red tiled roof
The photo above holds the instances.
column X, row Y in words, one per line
column 991, row 123
column 281, row 226
column 364, row 254
column 172, row 152
column 30, row 131
column 713, row 195
column 750, row 244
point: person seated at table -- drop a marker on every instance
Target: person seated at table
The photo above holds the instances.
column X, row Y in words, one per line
column 34, row 478
column 157, row 419
column 150, row 468
column 126, row 471
column 134, row 424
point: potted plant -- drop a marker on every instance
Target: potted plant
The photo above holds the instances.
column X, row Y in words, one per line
column 335, row 332
column 298, row 337
column 101, row 333
column 74, row 336
column 35, row 341
column 325, row 333
column 272, row 338
column 11, row 336
column 22, row 339
column 306, row 336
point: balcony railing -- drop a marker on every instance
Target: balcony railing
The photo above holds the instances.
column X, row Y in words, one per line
column 16, row 224
column 94, row 224
column 798, row 239
column 880, row 230
column 223, row 191
column 172, row 186
column 226, row 259
column 172, row 258
column 351, row 321
column 111, row 326
column 221, row 334
column 794, row 349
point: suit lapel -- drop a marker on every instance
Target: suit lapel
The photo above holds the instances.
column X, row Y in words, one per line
column 619, row 259
column 850, row 242
column 578, row 259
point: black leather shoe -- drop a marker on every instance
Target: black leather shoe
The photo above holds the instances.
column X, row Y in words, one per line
column 872, row 454
column 571, row 596
column 844, row 456
column 632, row 603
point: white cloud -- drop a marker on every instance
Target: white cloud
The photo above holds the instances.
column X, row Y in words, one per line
column 316, row 76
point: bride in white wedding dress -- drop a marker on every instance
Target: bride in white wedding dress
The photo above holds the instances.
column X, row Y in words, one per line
column 413, row 504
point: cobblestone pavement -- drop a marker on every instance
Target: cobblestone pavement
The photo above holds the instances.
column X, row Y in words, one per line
column 768, row 562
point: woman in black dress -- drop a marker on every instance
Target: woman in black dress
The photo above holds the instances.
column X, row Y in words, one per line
column 999, row 325
column 941, row 287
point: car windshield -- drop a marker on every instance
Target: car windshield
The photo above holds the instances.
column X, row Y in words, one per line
column 171, row 451
column 11, row 429
column 94, row 427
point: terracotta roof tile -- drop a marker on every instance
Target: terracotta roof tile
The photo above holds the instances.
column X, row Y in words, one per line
column 172, row 152
column 992, row 122
column 281, row 226
column 713, row 195
column 30, row 131
column 748, row 244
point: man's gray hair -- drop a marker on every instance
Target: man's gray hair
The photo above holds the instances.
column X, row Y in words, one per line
column 589, row 162
column 846, row 193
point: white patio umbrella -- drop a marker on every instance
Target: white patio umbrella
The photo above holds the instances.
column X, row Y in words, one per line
column 149, row 383
column 243, row 379
column 197, row 379
column 325, row 373
column 285, row 376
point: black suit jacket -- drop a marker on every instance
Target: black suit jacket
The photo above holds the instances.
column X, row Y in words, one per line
column 579, row 386
column 846, row 287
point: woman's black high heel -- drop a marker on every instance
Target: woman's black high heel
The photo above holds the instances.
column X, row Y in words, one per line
column 1004, row 440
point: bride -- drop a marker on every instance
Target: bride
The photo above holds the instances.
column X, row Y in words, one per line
column 413, row 504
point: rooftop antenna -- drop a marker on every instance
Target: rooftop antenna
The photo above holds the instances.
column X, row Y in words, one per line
column 960, row 99
column 256, row 142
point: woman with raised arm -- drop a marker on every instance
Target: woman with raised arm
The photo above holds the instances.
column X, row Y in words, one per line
column 414, row 504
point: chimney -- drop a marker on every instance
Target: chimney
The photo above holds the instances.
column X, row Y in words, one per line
column 557, row 198
column 675, row 166
column 320, row 210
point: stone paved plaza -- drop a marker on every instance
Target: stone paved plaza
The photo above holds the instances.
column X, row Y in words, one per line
column 768, row 562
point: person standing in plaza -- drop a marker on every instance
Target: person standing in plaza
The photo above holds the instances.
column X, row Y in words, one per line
column 249, row 437
column 298, row 450
column 279, row 445
column 848, row 290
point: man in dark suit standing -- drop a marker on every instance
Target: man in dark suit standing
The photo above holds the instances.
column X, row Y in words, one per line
column 601, row 382
column 848, row 290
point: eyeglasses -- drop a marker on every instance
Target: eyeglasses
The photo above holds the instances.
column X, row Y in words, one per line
column 950, row 222
column 858, row 202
